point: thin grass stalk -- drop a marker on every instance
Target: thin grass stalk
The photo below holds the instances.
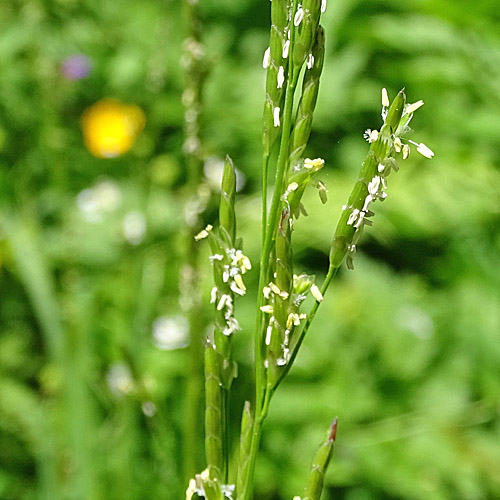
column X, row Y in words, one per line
column 272, row 224
column 195, row 65
column 247, row 482
column 263, row 392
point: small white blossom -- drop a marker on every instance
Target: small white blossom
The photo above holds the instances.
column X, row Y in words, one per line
column 368, row 200
column 269, row 332
column 385, row 98
column 203, row 233
column 370, row 135
column 281, row 77
column 373, row 185
column 310, row 61
column 235, row 288
column 119, row 379
column 170, row 332
column 134, row 227
column 425, row 151
column 353, row 217
column 267, row 58
column 225, row 299
column 411, row 108
column 232, row 326
column 299, row 15
column 95, row 202
column 360, row 219
column 276, row 116
column 316, row 293
column 239, row 282
column 315, row 164
column 286, row 49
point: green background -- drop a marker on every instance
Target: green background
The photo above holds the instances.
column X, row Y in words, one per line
column 405, row 350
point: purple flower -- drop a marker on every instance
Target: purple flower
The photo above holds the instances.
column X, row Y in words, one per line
column 76, row 67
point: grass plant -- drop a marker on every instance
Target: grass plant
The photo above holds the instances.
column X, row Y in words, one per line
column 296, row 52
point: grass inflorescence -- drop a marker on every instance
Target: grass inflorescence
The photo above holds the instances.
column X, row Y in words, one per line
column 296, row 53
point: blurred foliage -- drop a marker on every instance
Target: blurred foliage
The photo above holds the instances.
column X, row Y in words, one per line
column 405, row 350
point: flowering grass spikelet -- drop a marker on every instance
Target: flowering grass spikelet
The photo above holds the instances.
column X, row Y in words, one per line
column 371, row 186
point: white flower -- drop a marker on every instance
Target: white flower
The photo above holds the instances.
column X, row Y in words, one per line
column 370, row 135
column 411, row 108
column 299, row 15
column 281, row 77
column 286, row 49
column 310, row 61
column 425, row 151
column 353, row 217
column 95, row 202
column 134, row 227
column 204, row 233
column 276, row 116
column 224, row 300
column 315, row 164
column 119, row 379
column 385, row 98
column 269, row 332
column 267, row 58
column 373, row 185
column 316, row 293
column 170, row 332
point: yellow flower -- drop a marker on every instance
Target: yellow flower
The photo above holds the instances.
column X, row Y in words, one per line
column 111, row 127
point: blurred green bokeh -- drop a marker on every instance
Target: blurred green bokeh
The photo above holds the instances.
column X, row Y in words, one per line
column 405, row 349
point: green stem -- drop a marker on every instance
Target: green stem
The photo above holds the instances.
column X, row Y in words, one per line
column 195, row 74
column 225, row 432
column 254, row 447
column 265, row 170
column 271, row 226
